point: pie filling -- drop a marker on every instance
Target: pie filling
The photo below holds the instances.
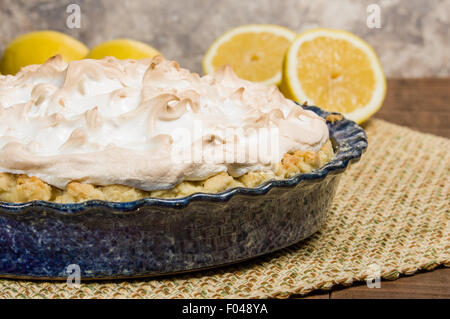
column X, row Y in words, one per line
column 121, row 130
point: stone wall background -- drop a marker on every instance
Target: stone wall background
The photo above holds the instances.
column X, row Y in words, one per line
column 413, row 40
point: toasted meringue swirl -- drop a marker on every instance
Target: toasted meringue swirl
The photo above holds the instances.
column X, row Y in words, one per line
column 114, row 121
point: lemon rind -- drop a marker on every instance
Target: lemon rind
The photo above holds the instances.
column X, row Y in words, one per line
column 132, row 43
column 49, row 34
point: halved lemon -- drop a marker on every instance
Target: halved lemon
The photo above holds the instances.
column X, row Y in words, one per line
column 37, row 47
column 336, row 71
column 255, row 52
column 123, row 49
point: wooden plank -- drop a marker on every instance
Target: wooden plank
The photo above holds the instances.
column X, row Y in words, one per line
column 319, row 294
column 422, row 104
column 434, row 284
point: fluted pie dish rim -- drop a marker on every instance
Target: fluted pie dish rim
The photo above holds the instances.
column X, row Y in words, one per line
column 349, row 142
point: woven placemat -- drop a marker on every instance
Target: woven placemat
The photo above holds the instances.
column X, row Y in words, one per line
column 392, row 209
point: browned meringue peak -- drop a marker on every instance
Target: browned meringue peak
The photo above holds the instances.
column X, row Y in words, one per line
column 124, row 121
column 51, row 68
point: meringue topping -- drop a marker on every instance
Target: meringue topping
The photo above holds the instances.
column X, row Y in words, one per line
column 125, row 121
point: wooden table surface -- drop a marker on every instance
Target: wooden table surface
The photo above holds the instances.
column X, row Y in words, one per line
column 424, row 105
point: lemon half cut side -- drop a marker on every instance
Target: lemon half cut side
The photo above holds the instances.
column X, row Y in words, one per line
column 255, row 52
column 336, row 71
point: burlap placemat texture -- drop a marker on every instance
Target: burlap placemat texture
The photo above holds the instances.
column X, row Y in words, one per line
column 391, row 212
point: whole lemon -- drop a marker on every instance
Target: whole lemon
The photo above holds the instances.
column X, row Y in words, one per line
column 37, row 47
column 123, row 49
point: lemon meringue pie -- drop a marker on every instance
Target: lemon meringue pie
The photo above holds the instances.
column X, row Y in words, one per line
column 119, row 130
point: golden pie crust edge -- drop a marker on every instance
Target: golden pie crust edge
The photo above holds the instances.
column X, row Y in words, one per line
column 22, row 188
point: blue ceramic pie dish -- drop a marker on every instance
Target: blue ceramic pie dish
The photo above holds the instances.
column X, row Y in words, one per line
column 153, row 236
